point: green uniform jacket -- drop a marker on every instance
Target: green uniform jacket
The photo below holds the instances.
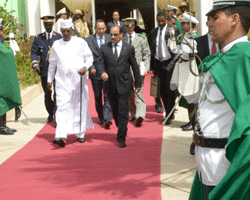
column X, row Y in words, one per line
column 9, row 86
column 231, row 72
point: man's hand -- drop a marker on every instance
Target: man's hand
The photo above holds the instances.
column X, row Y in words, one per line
column 49, row 86
column 138, row 89
column 105, row 76
column 93, row 72
column 82, row 71
column 145, row 73
column 36, row 68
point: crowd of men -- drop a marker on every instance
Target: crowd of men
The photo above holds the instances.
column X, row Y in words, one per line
column 216, row 94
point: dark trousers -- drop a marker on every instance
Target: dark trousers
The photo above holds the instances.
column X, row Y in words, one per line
column 3, row 120
column 103, row 110
column 49, row 104
column 207, row 190
column 119, row 106
column 168, row 96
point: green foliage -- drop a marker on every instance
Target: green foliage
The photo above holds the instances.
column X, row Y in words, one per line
column 9, row 23
column 26, row 75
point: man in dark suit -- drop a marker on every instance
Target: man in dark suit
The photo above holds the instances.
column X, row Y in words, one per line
column 161, row 56
column 114, row 66
column 116, row 22
column 41, row 48
column 95, row 42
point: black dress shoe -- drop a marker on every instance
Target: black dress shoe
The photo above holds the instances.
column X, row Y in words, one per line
column 59, row 141
column 139, row 121
column 159, row 110
column 101, row 121
column 17, row 113
column 50, row 118
column 189, row 127
column 122, row 144
column 192, row 149
column 107, row 125
column 4, row 130
column 81, row 140
column 11, row 129
column 132, row 119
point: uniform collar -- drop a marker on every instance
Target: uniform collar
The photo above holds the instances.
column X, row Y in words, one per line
column 230, row 44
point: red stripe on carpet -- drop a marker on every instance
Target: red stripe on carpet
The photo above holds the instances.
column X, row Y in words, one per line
column 97, row 169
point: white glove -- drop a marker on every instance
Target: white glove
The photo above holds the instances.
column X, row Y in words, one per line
column 186, row 50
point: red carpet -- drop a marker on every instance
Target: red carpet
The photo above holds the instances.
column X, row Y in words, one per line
column 97, row 169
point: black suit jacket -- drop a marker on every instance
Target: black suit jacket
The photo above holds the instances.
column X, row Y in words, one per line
column 202, row 47
column 93, row 45
column 40, row 49
column 153, row 44
column 112, row 24
column 119, row 72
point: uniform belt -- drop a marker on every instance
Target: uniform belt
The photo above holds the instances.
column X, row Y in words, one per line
column 209, row 142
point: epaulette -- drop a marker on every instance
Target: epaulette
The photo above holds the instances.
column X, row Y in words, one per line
column 141, row 35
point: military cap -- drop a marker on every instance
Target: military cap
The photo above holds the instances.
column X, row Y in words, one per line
column 186, row 18
column 172, row 8
column 78, row 12
column 183, row 4
column 129, row 22
column 62, row 11
column 221, row 4
column 47, row 18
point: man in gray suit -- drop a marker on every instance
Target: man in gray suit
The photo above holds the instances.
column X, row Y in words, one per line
column 142, row 55
column 116, row 22
column 114, row 66
column 95, row 42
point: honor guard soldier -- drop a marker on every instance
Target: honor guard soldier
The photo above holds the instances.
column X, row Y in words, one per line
column 41, row 48
column 183, row 9
column 62, row 16
column 142, row 56
column 80, row 26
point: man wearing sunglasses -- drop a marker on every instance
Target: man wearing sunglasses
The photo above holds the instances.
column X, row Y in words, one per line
column 41, row 48
column 115, row 60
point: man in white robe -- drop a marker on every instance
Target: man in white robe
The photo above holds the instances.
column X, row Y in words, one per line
column 69, row 60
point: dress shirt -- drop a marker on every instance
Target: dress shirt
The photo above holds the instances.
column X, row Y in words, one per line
column 118, row 23
column 98, row 40
column 119, row 47
column 165, row 51
column 215, row 121
column 133, row 36
column 49, row 34
column 210, row 44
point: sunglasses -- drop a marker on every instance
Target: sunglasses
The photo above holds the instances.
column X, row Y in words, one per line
column 114, row 34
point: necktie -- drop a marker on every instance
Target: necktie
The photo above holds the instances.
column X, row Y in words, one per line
column 116, row 53
column 160, row 46
column 49, row 38
column 130, row 39
column 214, row 50
column 100, row 41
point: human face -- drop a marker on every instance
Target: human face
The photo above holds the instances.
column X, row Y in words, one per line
column 48, row 26
column 66, row 32
column 116, row 36
column 161, row 21
column 64, row 16
column 183, row 8
column 220, row 27
column 169, row 22
column 130, row 30
column 116, row 16
column 100, row 28
column 174, row 21
column 185, row 27
column 78, row 16
column 171, row 13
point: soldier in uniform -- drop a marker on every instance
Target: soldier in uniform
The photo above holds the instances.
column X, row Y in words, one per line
column 62, row 16
column 142, row 55
column 183, row 9
column 41, row 48
column 80, row 26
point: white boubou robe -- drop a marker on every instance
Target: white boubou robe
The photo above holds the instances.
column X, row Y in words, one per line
column 66, row 58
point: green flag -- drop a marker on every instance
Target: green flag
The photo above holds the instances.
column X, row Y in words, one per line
column 9, row 86
column 231, row 72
